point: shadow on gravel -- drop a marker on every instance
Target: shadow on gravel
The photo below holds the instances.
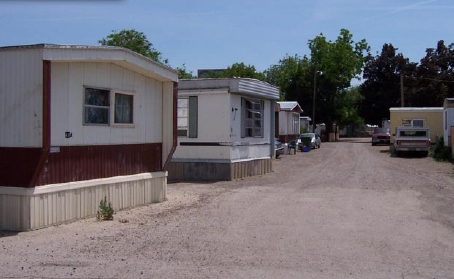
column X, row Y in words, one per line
column 7, row 233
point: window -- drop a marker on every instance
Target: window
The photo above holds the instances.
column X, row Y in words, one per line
column 100, row 110
column 296, row 123
column 123, row 113
column 96, row 106
column 418, row 123
column 252, row 118
column 187, row 110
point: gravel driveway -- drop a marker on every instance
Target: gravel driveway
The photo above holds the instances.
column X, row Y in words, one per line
column 346, row 210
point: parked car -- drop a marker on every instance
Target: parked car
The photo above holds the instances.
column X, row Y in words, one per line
column 279, row 148
column 381, row 135
column 411, row 139
column 313, row 138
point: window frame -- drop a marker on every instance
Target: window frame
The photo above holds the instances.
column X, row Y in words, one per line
column 191, row 117
column 114, row 106
column 111, row 94
column 106, row 107
column 249, row 118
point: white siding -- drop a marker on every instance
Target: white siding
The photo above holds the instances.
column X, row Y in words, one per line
column 283, row 123
column 448, row 122
column 21, row 80
column 214, row 118
column 217, row 123
column 68, row 81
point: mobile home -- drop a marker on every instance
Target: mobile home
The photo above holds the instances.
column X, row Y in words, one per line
column 80, row 123
column 431, row 117
column 225, row 129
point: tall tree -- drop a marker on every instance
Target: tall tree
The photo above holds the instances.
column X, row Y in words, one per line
column 435, row 77
column 290, row 76
column 133, row 40
column 340, row 61
column 382, row 86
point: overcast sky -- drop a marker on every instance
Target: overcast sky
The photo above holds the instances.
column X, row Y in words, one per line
column 212, row 34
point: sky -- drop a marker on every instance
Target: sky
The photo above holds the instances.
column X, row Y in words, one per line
column 214, row 34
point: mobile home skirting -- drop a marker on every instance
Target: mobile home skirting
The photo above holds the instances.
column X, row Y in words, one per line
column 218, row 171
column 23, row 209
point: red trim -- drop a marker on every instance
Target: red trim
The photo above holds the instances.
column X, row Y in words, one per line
column 77, row 163
column 47, row 71
column 175, row 137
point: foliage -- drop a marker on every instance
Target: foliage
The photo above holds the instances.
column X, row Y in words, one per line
column 239, row 70
column 105, row 211
column 340, row 61
column 290, row 76
column 434, row 77
column 133, row 40
column 381, row 88
column 183, row 73
column 348, row 112
column 440, row 152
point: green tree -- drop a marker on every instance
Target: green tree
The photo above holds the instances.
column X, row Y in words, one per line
column 289, row 76
column 239, row 70
column 349, row 114
column 340, row 61
column 381, row 88
column 435, row 77
column 183, row 73
column 135, row 41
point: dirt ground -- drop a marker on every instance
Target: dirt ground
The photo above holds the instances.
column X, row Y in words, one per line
column 346, row 210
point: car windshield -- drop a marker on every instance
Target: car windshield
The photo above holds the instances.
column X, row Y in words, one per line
column 412, row 133
column 381, row 131
column 307, row 135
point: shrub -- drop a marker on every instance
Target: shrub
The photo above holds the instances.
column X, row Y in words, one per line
column 439, row 151
column 105, row 211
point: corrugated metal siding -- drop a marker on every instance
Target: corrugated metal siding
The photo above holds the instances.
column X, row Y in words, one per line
column 17, row 165
column 208, row 171
column 77, row 163
column 21, row 98
column 27, row 212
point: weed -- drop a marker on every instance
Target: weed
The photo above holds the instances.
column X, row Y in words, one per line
column 105, row 211
column 439, row 151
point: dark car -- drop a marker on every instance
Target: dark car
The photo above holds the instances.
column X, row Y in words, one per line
column 278, row 148
column 381, row 136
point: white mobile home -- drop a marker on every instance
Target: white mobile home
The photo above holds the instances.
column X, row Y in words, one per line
column 80, row 123
column 225, row 129
column 448, row 122
column 289, row 120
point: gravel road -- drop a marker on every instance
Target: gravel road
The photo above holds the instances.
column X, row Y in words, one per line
column 346, row 210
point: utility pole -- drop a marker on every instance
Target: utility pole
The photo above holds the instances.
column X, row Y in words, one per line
column 402, row 101
column 313, row 99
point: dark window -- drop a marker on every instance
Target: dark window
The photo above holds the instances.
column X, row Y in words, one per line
column 96, row 106
column 252, row 120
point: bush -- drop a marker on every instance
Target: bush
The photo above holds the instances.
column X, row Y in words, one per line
column 439, row 151
column 105, row 211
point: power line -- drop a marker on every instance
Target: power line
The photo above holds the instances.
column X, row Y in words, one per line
column 432, row 79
